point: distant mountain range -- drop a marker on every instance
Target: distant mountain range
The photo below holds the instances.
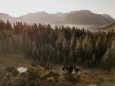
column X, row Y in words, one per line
column 83, row 17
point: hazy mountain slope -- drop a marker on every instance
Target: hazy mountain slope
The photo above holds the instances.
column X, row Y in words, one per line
column 108, row 17
column 40, row 17
column 6, row 17
column 86, row 17
column 62, row 14
column 74, row 17
column 110, row 26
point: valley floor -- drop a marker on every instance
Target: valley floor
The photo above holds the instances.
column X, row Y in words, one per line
column 40, row 76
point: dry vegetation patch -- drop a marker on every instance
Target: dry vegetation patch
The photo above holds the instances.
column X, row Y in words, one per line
column 39, row 76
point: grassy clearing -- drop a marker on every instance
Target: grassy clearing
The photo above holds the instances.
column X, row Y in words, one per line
column 39, row 76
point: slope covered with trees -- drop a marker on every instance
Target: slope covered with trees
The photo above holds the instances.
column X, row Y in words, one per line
column 61, row 45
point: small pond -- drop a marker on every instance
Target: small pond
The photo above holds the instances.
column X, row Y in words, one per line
column 22, row 69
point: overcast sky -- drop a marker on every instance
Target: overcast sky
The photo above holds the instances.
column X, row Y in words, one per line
column 20, row 7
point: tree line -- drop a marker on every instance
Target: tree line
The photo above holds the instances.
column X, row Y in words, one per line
column 59, row 45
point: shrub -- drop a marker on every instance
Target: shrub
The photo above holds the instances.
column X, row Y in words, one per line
column 48, row 66
column 72, row 78
column 15, row 73
column 31, row 83
column 33, row 64
column 21, row 82
column 32, row 74
column 24, row 75
column 108, row 60
column 56, row 79
column 51, row 73
column 8, row 76
column 10, row 69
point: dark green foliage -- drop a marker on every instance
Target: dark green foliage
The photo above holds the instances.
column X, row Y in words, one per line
column 61, row 45
column 108, row 60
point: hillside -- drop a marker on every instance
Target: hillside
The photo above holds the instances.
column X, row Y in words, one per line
column 39, row 17
column 110, row 26
column 86, row 17
column 5, row 17
column 83, row 17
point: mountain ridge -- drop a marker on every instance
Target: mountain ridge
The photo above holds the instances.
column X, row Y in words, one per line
column 74, row 17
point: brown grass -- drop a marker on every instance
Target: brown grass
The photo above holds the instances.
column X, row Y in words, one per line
column 54, row 76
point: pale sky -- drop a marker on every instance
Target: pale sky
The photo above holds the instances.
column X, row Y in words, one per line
column 20, row 7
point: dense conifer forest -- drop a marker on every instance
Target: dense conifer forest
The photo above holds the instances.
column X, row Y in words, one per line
column 59, row 45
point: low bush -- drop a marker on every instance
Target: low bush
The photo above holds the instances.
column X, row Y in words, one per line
column 33, row 64
column 72, row 78
column 33, row 74
column 15, row 73
column 10, row 69
column 51, row 74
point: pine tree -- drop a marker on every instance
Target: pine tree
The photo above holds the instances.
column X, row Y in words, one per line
column 58, row 44
column 79, row 51
column 98, row 48
column 8, row 25
column 65, row 47
column 108, row 60
column 87, row 47
column 73, row 42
